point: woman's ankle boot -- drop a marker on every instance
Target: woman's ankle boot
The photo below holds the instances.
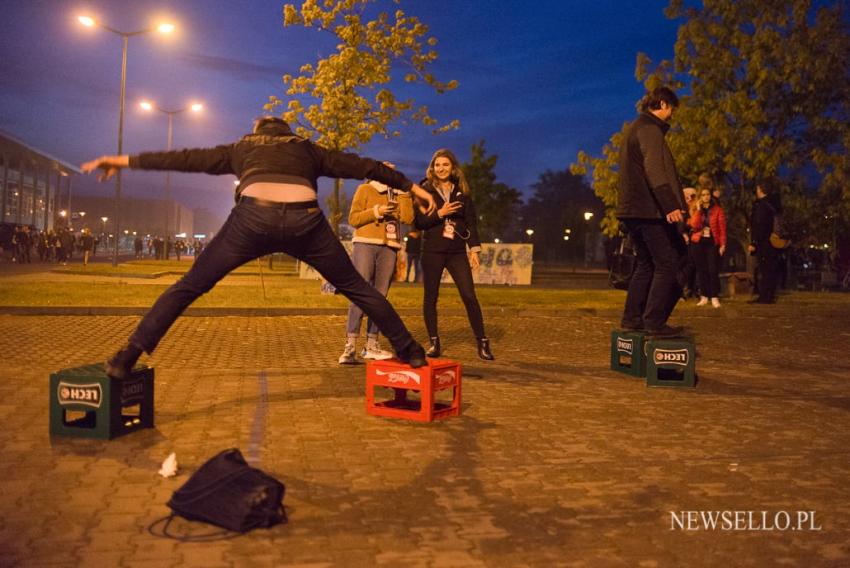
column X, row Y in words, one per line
column 434, row 350
column 484, row 349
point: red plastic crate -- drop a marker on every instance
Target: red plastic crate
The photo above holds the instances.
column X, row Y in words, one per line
column 407, row 383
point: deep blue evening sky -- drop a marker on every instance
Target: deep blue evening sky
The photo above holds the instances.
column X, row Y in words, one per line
column 538, row 80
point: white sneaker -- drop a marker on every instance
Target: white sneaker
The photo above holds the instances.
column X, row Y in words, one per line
column 377, row 354
column 715, row 302
column 373, row 351
column 702, row 301
column 349, row 355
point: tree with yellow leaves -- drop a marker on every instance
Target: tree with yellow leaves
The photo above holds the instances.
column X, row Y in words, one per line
column 343, row 100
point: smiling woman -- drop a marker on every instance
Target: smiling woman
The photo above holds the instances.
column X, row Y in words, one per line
column 450, row 242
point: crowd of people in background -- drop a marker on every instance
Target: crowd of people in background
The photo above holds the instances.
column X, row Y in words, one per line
column 23, row 244
column 706, row 236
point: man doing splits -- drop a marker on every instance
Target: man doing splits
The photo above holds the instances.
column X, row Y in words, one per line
column 276, row 211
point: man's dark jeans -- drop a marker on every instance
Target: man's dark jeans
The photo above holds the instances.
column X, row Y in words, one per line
column 654, row 288
column 769, row 268
column 252, row 231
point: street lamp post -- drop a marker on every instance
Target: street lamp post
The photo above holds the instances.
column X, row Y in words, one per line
column 103, row 221
column 148, row 106
column 125, row 36
column 588, row 243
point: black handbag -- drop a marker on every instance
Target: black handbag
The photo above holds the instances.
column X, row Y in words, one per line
column 229, row 493
column 622, row 265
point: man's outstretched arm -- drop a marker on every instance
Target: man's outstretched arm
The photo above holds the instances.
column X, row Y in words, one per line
column 109, row 164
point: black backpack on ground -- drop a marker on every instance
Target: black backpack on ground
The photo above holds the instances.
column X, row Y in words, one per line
column 230, row 494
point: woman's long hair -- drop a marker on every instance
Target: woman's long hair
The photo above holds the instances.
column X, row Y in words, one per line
column 457, row 174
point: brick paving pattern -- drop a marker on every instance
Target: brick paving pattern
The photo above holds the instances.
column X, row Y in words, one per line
column 555, row 461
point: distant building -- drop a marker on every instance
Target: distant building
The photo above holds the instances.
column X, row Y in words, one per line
column 34, row 186
column 206, row 223
column 141, row 216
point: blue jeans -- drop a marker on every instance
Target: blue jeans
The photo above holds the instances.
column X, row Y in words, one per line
column 376, row 264
column 252, row 231
column 654, row 288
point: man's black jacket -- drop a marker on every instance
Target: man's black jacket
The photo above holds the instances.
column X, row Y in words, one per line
column 648, row 185
column 273, row 154
column 761, row 221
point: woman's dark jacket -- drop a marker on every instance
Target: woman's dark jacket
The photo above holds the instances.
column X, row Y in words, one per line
column 273, row 154
column 465, row 220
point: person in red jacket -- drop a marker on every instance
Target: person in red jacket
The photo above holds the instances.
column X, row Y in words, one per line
column 708, row 236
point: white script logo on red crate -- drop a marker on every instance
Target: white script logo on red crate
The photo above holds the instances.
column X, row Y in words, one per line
column 400, row 376
column 446, row 377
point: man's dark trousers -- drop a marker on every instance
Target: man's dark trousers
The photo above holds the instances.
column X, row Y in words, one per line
column 252, row 231
column 769, row 267
column 654, row 288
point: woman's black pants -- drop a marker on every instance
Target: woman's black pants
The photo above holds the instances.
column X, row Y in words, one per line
column 708, row 267
column 457, row 264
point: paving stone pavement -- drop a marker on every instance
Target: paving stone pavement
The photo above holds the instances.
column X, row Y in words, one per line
column 555, row 461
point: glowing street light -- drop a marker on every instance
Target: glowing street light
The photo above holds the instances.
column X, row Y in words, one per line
column 150, row 107
column 529, row 232
column 164, row 28
column 588, row 215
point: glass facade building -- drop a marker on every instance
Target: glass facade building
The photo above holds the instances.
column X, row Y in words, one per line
column 34, row 185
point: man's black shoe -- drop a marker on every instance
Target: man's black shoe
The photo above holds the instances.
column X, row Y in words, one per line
column 120, row 366
column 413, row 356
column 666, row 331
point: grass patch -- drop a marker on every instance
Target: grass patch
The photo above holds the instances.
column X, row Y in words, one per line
column 155, row 268
column 244, row 290
column 287, row 291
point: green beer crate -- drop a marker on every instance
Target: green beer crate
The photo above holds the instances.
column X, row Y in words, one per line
column 671, row 362
column 627, row 352
column 86, row 403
